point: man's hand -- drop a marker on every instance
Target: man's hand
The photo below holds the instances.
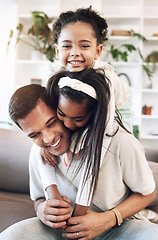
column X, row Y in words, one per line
column 49, row 158
column 89, row 226
column 54, row 213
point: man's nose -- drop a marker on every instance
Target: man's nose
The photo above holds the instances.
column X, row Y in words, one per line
column 48, row 136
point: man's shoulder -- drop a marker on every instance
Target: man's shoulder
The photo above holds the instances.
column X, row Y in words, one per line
column 34, row 153
column 125, row 142
column 35, row 148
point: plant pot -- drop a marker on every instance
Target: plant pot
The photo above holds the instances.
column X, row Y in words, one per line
column 146, row 110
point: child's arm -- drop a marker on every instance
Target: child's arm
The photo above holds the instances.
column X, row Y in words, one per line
column 53, row 192
column 48, row 157
column 79, row 210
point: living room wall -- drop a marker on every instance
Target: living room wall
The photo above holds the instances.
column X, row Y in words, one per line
column 8, row 18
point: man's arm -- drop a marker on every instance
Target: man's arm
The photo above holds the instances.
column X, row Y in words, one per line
column 93, row 224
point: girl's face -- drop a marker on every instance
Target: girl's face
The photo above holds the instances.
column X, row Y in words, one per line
column 77, row 46
column 73, row 115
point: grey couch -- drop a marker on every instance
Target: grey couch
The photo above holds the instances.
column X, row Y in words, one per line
column 15, row 204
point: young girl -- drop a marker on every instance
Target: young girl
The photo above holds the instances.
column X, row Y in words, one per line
column 84, row 94
column 79, row 37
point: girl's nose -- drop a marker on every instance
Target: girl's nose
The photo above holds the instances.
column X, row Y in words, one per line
column 75, row 52
column 68, row 122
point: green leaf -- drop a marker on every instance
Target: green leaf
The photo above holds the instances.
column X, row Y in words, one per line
column 129, row 47
column 138, row 35
column 51, row 53
column 140, row 54
column 114, row 52
column 124, row 56
column 20, row 27
column 148, row 71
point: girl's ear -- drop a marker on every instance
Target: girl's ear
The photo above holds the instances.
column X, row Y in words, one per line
column 98, row 51
column 57, row 49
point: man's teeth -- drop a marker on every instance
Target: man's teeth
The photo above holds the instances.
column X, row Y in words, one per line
column 54, row 145
column 75, row 62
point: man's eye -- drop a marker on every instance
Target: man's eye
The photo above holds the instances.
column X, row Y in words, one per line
column 35, row 136
column 51, row 123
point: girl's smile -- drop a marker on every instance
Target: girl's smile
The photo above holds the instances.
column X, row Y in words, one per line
column 77, row 46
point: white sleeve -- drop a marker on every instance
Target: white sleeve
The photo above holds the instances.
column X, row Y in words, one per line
column 121, row 90
column 48, row 175
column 41, row 176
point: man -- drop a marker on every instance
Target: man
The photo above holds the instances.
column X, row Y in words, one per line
column 30, row 110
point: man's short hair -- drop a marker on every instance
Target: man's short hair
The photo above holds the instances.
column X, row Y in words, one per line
column 25, row 99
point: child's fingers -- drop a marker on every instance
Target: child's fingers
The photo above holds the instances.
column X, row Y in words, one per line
column 43, row 160
column 66, row 199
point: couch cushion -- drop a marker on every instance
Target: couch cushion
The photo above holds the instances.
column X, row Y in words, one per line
column 154, row 168
column 14, row 158
column 14, row 208
column 151, row 154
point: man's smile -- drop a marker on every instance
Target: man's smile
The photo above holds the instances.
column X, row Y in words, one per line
column 56, row 144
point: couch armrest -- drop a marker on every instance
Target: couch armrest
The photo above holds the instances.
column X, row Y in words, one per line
column 14, row 158
column 154, row 168
column 151, row 154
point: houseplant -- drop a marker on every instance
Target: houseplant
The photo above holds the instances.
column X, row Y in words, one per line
column 38, row 36
column 151, row 60
column 122, row 52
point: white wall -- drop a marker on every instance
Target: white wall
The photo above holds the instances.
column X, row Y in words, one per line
column 8, row 13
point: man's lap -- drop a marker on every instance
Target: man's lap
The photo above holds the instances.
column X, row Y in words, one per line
column 29, row 229
column 132, row 229
column 33, row 229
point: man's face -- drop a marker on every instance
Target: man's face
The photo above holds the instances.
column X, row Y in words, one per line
column 44, row 128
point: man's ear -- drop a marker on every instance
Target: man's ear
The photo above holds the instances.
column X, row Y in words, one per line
column 57, row 50
column 98, row 51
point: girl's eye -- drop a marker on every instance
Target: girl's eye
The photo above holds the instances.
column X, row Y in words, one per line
column 79, row 120
column 66, row 46
column 61, row 114
column 85, row 46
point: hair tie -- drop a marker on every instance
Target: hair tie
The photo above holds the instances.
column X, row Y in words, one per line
column 77, row 85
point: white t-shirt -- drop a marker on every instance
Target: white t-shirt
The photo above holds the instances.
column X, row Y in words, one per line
column 124, row 168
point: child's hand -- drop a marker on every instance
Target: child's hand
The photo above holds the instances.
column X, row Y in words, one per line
column 49, row 158
column 66, row 199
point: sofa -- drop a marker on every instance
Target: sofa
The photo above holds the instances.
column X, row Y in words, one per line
column 15, row 203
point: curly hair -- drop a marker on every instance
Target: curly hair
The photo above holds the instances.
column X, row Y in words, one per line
column 86, row 15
